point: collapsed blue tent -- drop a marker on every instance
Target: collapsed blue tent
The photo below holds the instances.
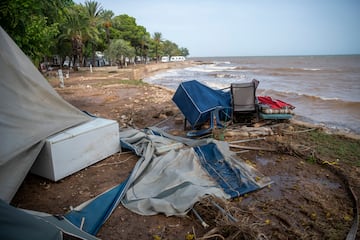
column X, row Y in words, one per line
column 21, row 224
column 197, row 101
column 93, row 214
column 171, row 175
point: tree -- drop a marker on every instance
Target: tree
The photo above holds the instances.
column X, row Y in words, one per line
column 158, row 39
column 145, row 42
column 33, row 24
column 94, row 11
column 76, row 30
column 118, row 50
column 171, row 48
column 106, row 17
column 42, row 28
column 184, row 52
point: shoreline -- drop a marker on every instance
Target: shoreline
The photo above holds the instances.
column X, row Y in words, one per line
column 139, row 72
column 326, row 128
column 299, row 157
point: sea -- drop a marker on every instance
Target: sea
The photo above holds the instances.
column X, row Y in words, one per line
column 325, row 90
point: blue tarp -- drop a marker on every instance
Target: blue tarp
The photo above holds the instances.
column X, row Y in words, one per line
column 231, row 179
column 196, row 101
column 91, row 217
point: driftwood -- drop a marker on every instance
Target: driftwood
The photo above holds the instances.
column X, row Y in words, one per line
column 253, row 148
column 249, row 132
column 299, row 131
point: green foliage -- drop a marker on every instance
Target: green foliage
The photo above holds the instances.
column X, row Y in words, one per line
column 32, row 24
column 336, row 147
column 311, row 159
column 40, row 38
column 170, row 48
column 125, row 82
column 125, row 27
column 157, row 40
column 43, row 28
column 184, row 52
column 119, row 49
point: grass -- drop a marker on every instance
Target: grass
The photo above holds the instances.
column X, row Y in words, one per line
column 122, row 81
column 336, row 147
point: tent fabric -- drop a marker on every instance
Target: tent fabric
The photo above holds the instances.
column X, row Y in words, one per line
column 170, row 176
column 231, row 177
column 172, row 182
column 14, row 171
column 16, row 224
column 21, row 224
column 30, row 111
column 91, row 215
column 63, row 225
column 196, row 101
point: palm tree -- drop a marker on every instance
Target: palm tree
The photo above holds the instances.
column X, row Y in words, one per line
column 106, row 17
column 94, row 11
column 73, row 29
column 157, row 39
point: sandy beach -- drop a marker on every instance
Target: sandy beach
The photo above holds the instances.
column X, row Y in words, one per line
column 313, row 172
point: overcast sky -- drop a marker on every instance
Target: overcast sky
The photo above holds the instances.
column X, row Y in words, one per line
column 249, row 27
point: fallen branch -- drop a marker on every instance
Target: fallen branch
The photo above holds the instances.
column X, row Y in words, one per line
column 243, row 151
column 113, row 163
column 253, row 148
column 300, row 131
column 212, row 233
column 230, row 217
column 247, row 140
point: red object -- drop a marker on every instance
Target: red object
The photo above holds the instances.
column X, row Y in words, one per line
column 274, row 103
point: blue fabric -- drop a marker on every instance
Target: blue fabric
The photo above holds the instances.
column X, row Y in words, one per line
column 196, row 101
column 97, row 211
column 231, row 180
column 16, row 224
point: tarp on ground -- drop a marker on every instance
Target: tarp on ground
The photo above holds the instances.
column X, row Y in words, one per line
column 171, row 175
column 172, row 181
column 196, row 101
column 30, row 111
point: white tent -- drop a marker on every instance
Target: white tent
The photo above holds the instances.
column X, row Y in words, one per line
column 30, row 111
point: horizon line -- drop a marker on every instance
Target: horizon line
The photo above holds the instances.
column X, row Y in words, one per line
column 300, row 55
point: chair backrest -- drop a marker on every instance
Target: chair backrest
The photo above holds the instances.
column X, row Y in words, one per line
column 243, row 96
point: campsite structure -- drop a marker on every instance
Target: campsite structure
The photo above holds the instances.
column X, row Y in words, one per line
column 31, row 112
column 152, row 147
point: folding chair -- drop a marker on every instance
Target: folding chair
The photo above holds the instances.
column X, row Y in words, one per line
column 244, row 102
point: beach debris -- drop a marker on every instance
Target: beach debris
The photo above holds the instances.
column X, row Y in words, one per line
column 247, row 140
column 246, row 132
column 253, row 148
column 203, row 223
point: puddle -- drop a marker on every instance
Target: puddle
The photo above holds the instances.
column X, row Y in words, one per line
column 282, row 183
column 263, row 161
column 325, row 182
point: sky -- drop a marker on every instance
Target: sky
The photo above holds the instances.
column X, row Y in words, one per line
column 249, row 27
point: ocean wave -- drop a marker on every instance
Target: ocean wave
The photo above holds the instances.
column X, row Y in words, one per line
column 222, row 62
column 228, row 75
column 308, row 97
column 279, row 69
column 312, row 69
column 210, row 68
